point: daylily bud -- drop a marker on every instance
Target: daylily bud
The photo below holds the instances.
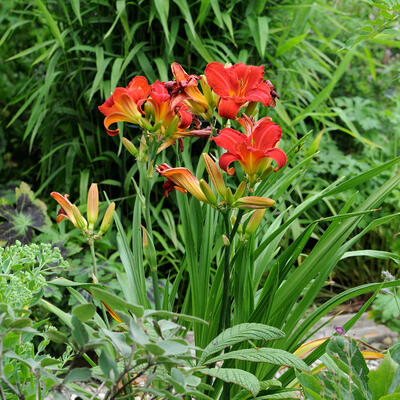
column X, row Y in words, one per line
column 240, row 190
column 251, row 108
column 226, row 240
column 205, row 187
column 130, row 147
column 146, row 124
column 254, row 221
column 149, row 249
column 215, row 175
column 150, row 170
column 107, row 219
column 229, row 196
column 148, row 110
column 207, row 92
column 172, row 126
column 92, row 209
column 254, row 202
column 266, row 173
column 81, row 223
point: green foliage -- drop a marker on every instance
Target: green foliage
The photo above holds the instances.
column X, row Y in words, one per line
column 347, row 375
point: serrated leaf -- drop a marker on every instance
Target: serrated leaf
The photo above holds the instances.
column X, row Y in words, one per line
column 264, row 355
column 241, row 333
column 244, row 379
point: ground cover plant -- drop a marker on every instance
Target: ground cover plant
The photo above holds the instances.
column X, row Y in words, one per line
column 234, row 198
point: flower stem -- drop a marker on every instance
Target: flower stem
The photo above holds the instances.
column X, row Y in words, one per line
column 225, row 316
column 147, row 217
column 94, row 264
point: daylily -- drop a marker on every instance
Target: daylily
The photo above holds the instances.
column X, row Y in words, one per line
column 254, row 150
column 184, row 89
column 125, row 104
column 237, row 85
column 68, row 210
column 173, row 122
column 182, row 180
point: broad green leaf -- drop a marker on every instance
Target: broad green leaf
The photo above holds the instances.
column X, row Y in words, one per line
column 238, row 377
column 108, row 366
column 78, row 375
column 263, row 355
column 84, row 312
column 241, row 333
column 116, row 302
column 381, row 379
column 79, row 332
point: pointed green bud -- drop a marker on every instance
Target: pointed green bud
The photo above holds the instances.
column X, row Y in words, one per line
column 254, row 203
column 146, row 124
column 81, row 223
column 206, row 189
column 107, row 219
column 229, row 196
column 172, row 126
column 226, row 240
column 215, row 176
column 254, row 222
column 130, row 147
column 92, row 208
column 240, row 190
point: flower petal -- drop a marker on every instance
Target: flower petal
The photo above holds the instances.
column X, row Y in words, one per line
column 266, row 134
column 225, row 160
column 228, row 108
column 278, row 155
column 229, row 139
column 218, row 78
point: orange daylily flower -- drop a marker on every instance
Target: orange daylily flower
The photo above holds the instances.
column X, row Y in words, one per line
column 182, row 180
column 68, row 210
column 125, row 103
column 237, row 85
column 175, row 121
column 184, row 89
column 254, row 150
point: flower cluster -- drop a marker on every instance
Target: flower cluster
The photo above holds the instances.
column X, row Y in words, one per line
column 170, row 111
column 71, row 212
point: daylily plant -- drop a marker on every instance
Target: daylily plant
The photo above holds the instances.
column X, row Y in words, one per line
column 169, row 111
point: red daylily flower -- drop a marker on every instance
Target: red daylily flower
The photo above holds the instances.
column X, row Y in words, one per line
column 254, row 150
column 125, row 103
column 237, row 85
